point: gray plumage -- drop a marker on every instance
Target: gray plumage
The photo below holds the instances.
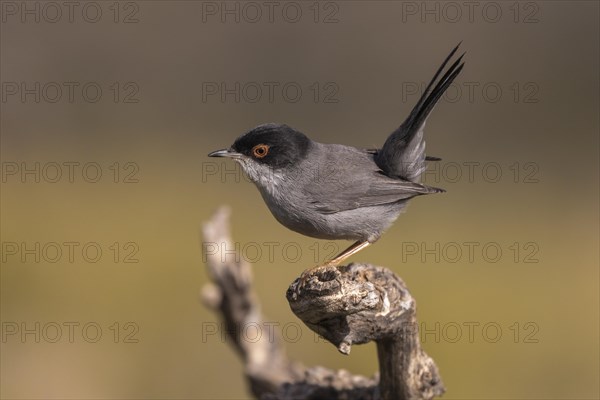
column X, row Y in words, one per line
column 318, row 196
column 333, row 191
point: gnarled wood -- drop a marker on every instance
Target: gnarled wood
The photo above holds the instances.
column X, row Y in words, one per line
column 346, row 305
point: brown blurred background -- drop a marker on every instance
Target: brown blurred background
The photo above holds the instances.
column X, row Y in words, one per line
column 504, row 266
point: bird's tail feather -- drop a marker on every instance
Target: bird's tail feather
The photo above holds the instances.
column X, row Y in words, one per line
column 403, row 154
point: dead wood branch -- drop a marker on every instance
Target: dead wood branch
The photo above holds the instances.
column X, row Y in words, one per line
column 346, row 305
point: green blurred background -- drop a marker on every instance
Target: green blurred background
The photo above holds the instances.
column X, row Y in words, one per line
column 522, row 324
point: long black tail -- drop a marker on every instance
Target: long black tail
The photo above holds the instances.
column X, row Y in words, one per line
column 403, row 154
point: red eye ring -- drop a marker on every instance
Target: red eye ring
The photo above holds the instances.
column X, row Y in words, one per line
column 260, row 150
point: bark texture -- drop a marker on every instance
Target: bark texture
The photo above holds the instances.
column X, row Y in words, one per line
column 347, row 305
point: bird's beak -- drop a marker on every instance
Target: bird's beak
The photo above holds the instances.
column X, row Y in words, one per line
column 224, row 153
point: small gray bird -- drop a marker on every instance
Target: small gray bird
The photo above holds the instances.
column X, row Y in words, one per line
column 333, row 191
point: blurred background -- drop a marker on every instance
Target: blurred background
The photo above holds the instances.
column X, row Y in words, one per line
column 109, row 109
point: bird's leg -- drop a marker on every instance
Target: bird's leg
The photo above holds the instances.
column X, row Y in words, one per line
column 353, row 249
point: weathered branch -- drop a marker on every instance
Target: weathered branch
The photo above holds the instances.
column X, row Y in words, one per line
column 267, row 367
column 360, row 303
column 346, row 305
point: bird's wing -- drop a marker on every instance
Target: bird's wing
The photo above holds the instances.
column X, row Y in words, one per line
column 403, row 154
column 337, row 189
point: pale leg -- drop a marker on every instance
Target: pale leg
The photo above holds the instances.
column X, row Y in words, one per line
column 355, row 248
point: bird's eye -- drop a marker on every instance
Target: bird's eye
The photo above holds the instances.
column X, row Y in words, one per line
column 260, row 150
